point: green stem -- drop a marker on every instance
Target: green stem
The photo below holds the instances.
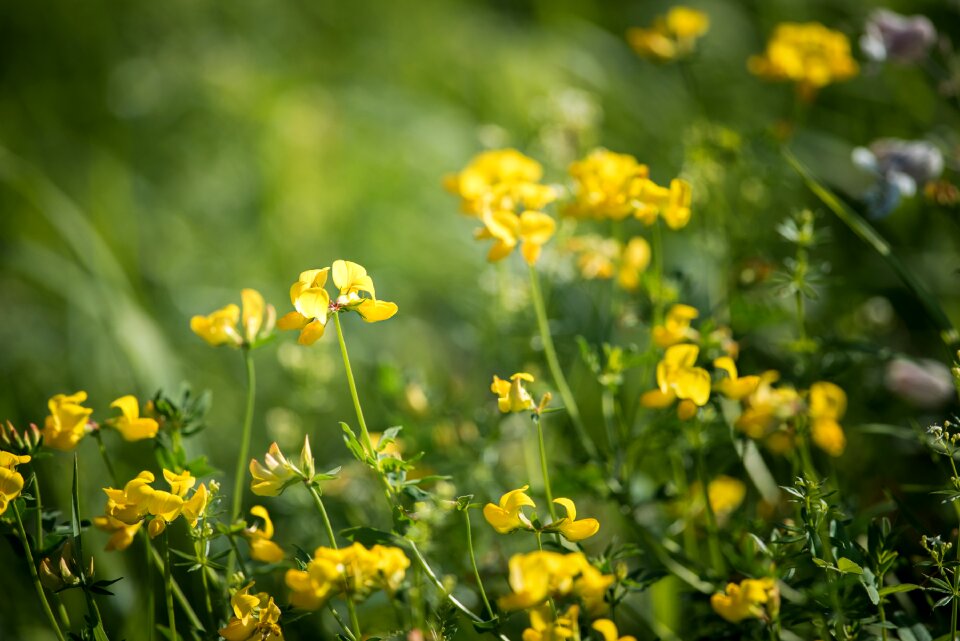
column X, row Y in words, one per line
column 713, row 539
column 657, row 251
column 473, row 562
column 569, row 401
column 683, row 491
column 956, row 582
column 168, row 586
column 106, row 459
column 38, row 503
column 364, row 433
column 538, row 421
column 242, row 459
column 200, row 548
column 240, row 475
column 354, row 621
column 323, row 513
column 44, row 603
column 151, row 605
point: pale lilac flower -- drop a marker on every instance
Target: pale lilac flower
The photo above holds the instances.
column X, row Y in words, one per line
column 889, row 36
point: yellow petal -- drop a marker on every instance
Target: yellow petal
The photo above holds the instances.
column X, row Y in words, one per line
column 372, row 310
column 313, row 302
column 693, row 383
column 536, row 227
column 568, row 506
column 253, row 307
column 311, row 333
column 138, row 430
column 502, row 520
column 607, row 629
column 579, row 530
column 265, row 531
column 292, row 320
column 128, row 406
column 194, row 508
column 350, row 277
column 657, row 400
column 265, row 551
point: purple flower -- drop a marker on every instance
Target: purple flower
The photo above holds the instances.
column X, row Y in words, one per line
column 891, row 36
column 901, row 167
column 925, row 384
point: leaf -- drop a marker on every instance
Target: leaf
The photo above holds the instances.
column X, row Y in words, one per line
column 821, row 563
column 846, row 566
column 350, row 439
column 902, row 587
column 370, row 536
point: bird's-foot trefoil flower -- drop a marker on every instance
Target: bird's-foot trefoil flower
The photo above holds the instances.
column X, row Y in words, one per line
column 508, row 515
column 572, row 528
column 130, row 424
column 259, row 535
column 68, row 421
column 236, row 327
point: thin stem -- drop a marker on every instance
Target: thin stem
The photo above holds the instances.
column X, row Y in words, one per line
column 38, row 503
column 683, row 490
column 35, row 574
column 106, row 459
column 956, row 582
column 242, row 461
column 323, row 513
column 713, row 539
column 177, row 591
column 364, row 433
column 538, row 421
column 239, row 474
column 569, row 401
column 151, row 605
column 354, row 621
column 473, row 562
column 657, row 251
column 422, row 562
column 168, row 586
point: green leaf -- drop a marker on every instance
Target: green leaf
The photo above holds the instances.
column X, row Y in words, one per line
column 350, row 439
column 846, row 566
column 370, row 536
column 903, row 587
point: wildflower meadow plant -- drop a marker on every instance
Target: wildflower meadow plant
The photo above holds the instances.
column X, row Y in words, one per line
column 657, row 415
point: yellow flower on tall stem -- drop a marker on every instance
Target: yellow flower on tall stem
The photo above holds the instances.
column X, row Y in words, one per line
column 508, row 516
column 255, row 617
column 512, row 395
column 572, row 528
column 531, row 230
column 67, row 422
column 231, row 326
column 11, row 481
column 826, row 406
column 749, row 599
column 501, row 179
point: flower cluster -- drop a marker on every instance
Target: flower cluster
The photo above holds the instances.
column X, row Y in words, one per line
column 127, row 509
column 605, row 258
column 255, row 617
column 313, row 305
column 507, row 516
column 352, row 572
column 502, row 188
column 770, row 414
column 538, row 576
column 68, row 421
column 672, row 36
column 750, row 599
column 809, row 55
column 613, row 186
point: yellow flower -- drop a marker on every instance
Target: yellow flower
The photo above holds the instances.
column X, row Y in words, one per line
column 255, row 617
column 11, row 481
column 634, row 261
column 543, row 626
column 809, row 55
column 678, row 374
column 733, row 386
column 276, row 472
column 672, row 36
column 725, row 494
column 512, row 395
column 353, row 572
column 220, row 327
column 313, row 304
column 608, row 630
column 676, row 327
column 261, row 547
column 605, row 185
column 138, row 499
column 572, row 529
column 536, row 576
column 67, row 422
column 502, row 179
column 130, row 425
column 508, row 516
column 750, row 599
column 530, row 229
column 768, row 407
column 826, row 406
column 121, row 533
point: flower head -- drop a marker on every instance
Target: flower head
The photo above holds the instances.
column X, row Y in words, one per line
column 731, row 385
column 255, row 617
column 121, row 534
column 676, row 327
column 138, row 500
column 570, row 527
column 512, row 395
column 672, row 36
column 275, row 473
column 67, row 422
column 11, row 481
column 809, row 55
column 130, row 424
column 262, row 548
column 353, row 572
column 545, row 627
column 537, row 576
column 891, row 36
column 531, row 230
column 678, row 374
column 608, row 630
column 750, row 599
column 313, row 304
column 508, row 516
column 826, row 406
column 501, row 179
column 221, row 326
